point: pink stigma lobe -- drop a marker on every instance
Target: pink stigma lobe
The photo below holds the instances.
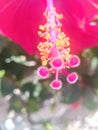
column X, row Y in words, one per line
column 43, row 72
column 72, row 78
column 56, row 84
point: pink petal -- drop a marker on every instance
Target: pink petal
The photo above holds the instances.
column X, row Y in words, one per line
column 19, row 20
column 76, row 24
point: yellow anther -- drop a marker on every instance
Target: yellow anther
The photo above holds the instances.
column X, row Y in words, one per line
column 47, row 36
column 49, row 44
column 41, row 27
column 44, row 63
column 59, row 16
column 62, row 42
column 40, row 34
column 53, row 26
column 58, row 30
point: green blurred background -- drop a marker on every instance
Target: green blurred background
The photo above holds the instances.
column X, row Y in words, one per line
column 26, row 93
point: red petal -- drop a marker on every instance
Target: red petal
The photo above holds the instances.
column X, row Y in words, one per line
column 19, row 20
column 76, row 24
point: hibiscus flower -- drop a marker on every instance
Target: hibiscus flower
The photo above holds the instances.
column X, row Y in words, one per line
column 20, row 19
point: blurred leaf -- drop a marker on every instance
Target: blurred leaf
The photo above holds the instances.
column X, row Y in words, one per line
column 48, row 126
column 2, row 73
column 45, row 94
column 71, row 94
column 32, row 105
column 7, row 86
column 3, row 42
column 38, row 90
column 89, row 102
column 14, row 69
column 30, row 88
column 95, row 81
column 94, row 64
column 20, row 60
column 95, row 51
column 16, row 104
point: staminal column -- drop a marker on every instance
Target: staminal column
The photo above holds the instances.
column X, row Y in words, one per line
column 50, row 7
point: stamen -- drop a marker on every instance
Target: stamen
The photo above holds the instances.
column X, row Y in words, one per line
column 55, row 48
